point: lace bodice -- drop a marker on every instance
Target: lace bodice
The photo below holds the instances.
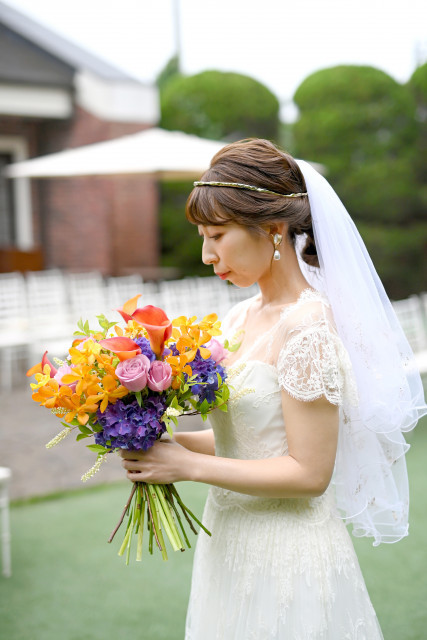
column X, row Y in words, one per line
column 302, row 355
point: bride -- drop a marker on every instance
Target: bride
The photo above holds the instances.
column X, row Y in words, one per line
column 322, row 386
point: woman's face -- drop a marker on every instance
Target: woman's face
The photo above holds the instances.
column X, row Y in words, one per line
column 235, row 253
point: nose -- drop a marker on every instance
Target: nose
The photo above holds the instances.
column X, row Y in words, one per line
column 208, row 255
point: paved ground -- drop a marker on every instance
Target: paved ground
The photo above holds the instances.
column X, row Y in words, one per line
column 24, row 430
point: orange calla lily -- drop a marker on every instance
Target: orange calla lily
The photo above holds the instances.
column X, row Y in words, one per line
column 123, row 347
column 128, row 308
column 157, row 324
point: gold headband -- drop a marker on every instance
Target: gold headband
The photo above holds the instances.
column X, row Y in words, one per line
column 239, row 185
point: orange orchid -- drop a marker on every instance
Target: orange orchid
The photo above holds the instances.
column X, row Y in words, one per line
column 110, row 392
column 106, row 362
column 179, row 365
column 79, row 410
column 52, row 395
column 83, row 376
column 190, row 337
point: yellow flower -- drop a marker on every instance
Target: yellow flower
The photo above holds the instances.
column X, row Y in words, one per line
column 210, row 325
column 86, row 354
column 42, row 378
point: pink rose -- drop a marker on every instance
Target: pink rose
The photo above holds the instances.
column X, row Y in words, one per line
column 159, row 376
column 218, row 353
column 133, row 372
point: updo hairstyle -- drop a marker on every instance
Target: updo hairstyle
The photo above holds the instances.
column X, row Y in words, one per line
column 259, row 163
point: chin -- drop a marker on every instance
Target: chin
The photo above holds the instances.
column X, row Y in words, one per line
column 241, row 282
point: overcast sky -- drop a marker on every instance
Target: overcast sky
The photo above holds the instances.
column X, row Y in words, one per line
column 275, row 41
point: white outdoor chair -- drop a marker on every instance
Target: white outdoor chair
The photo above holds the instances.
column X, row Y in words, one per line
column 410, row 316
column 122, row 288
column 88, row 297
column 5, row 522
column 179, row 297
column 14, row 336
column 50, row 323
column 213, row 296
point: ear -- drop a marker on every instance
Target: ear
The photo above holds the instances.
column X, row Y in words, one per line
column 278, row 227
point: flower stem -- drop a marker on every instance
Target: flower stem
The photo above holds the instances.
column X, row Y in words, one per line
column 186, row 511
column 178, row 517
column 124, row 512
column 154, row 504
column 153, row 530
column 168, row 522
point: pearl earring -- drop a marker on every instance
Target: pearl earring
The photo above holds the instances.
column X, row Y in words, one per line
column 277, row 239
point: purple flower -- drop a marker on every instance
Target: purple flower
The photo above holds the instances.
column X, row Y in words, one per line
column 206, row 377
column 144, row 345
column 126, row 425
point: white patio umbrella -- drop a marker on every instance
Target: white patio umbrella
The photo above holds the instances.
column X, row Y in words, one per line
column 164, row 154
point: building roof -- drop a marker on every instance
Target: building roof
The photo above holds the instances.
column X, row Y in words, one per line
column 59, row 47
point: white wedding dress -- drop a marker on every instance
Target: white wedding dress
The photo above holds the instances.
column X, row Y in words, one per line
column 277, row 569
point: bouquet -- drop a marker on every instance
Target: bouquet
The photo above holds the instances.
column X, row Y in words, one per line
column 127, row 388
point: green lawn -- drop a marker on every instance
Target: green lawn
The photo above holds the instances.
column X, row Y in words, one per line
column 69, row 584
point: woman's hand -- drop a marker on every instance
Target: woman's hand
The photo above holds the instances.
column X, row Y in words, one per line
column 165, row 462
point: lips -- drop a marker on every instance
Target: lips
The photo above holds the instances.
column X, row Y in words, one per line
column 222, row 275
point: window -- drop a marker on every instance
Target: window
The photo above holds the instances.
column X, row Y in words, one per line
column 7, row 205
column 16, row 228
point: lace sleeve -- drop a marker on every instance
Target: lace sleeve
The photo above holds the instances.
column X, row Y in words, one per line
column 314, row 363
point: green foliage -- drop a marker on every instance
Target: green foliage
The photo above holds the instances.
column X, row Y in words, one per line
column 219, row 105
column 399, row 256
column 213, row 105
column 181, row 244
column 418, row 86
column 170, row 70
column 362, row 126
column 351, row 116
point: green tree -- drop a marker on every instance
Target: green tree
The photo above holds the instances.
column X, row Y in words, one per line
column 220, row 106
column 361, row 125
column 170, row 70
column 216, row 105
column 181, row 243
column 417, row 85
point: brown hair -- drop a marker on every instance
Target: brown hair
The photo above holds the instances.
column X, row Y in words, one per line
column 261, row 164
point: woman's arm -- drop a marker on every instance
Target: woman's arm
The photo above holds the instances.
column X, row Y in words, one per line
column 312, row 433
column 197, row 441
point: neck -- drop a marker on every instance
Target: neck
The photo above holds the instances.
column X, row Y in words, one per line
column 284, row 281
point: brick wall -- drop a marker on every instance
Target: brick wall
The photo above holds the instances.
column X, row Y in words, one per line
column 82, row 128
column 104, row 224
column 107, row 224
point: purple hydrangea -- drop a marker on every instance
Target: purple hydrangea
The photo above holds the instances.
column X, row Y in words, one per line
column 206, row 377
column 146, row 350
column 126, row 425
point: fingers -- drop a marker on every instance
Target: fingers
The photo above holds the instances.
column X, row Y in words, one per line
column 130, row 455
column 132, row 465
